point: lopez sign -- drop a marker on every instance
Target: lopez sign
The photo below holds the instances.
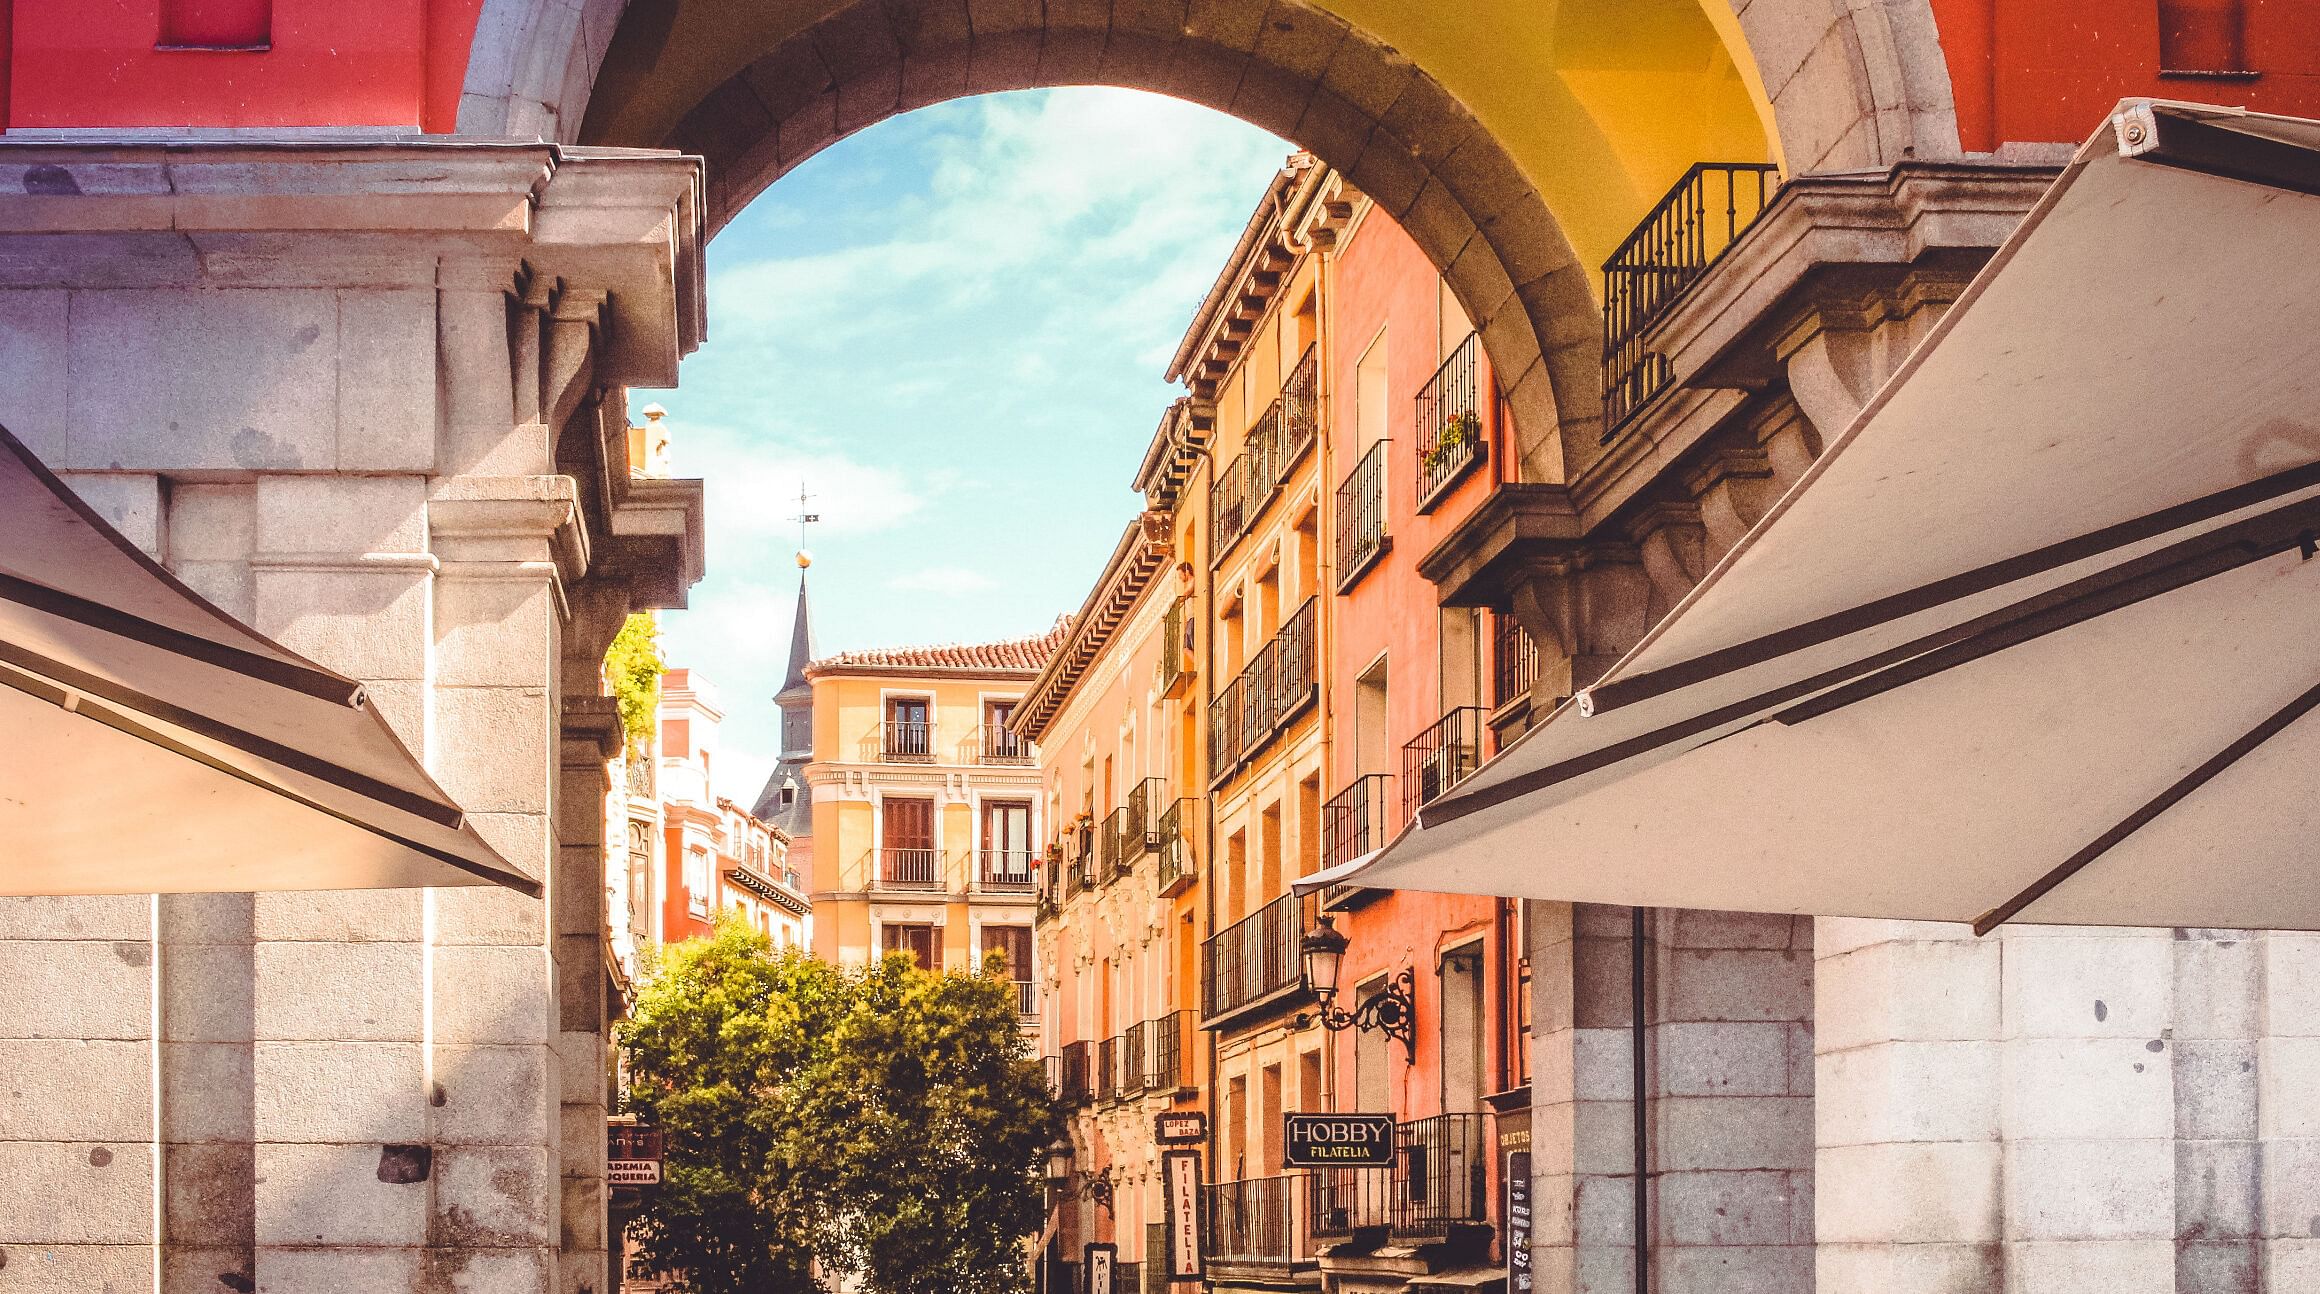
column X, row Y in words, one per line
column 1340, row 1140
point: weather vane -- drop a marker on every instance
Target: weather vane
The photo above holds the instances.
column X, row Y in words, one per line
column 804, row 518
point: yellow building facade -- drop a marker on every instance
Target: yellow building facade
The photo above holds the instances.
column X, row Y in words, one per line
column 926, row 806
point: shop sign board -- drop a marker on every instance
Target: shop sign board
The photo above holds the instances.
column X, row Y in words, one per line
column 1099, row 1267
column 632, row 1155
column 1339, row 1140
column 1179, row 1127
column 1180, row 1192
column 1518, row 1221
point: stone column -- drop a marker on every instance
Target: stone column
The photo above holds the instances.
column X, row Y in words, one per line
column 504, row 543
column 591, row 736
column 1906, row 1089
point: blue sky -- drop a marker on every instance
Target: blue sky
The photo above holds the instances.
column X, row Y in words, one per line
column 953, row 327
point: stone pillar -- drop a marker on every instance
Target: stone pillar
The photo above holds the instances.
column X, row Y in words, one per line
column 1582, row 1117
column 76, row 1107
column 1906, row 1022
column 591, row 736
column 1731, row 1069
column 2286, row 994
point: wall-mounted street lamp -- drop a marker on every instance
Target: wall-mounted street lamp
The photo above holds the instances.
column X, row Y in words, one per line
column 1097, row 1187
column 1392, row 1011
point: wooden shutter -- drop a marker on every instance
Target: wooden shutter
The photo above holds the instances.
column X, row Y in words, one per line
column 909, row 823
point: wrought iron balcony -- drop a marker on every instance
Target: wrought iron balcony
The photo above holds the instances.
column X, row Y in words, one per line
column 1175, row 651
column 1146, row 801
column 1006, row 871
column 1177, row 865
column 1514, row 661
column 1259, row 1220
column 1256, row 957
column 1441, row 757
column 1440, row 1171
column 1277, row 685
column 1300, row 423
column 1026, row 997
column 996, row 744
column 1451, row 423
column 1355, row 821
column 907, row 741
column 1168, row 1062
column 910, row 869
column 641, row 775
column 1108, row 1069
column 1075, row 1073
column 1134, row 1058
column 1361, row 516
column 1675, row 243
column 1112, row 839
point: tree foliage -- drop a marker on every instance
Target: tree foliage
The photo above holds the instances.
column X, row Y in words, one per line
column 633, row 667
column 887, row 1122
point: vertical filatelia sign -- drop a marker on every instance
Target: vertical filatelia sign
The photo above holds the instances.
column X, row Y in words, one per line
column 1180, row 1185
column 1100, row 1260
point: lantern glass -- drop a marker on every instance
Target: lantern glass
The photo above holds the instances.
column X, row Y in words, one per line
column 1323, row 950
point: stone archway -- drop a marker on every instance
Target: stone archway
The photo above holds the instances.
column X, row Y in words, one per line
column 1835, row 84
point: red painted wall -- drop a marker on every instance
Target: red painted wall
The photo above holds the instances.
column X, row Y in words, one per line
column 1382, row 280
column 394, row 64
column 2047, row 70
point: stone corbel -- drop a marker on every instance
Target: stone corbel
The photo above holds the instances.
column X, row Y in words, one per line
column 568, row 363
column 1734, row 488
column 1587, row 605
column 1672, row 542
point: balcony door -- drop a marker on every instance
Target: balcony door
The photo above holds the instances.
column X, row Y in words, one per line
column 908, row 857
column 909, row 731
column 1007, row 842
column 1013, row 943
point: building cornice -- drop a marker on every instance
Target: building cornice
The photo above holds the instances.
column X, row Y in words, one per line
column 1145, row 548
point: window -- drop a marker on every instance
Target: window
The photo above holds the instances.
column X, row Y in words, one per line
column 907, row 830
column 1372, row 750
column 216, row 24
column 922, row 942
column 1370, row 409
column 999, row 739
column 697, row 881
column 909, row 728
column 1012, row 942
column 1007, row 842
column 1462, row 1030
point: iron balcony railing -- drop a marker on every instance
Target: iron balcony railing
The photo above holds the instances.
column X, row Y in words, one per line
column 1450, row 422
column 1007, row 870
column 1108, row 1069
column 1277, row 685
column 1514, row 660
column 1175, row 651
column 997, row 744
column 1112, row 839
column 1168, row 1062
column 1354, row 821
column 1075, row 1073
column 1441, row 757
column 1347, row 1200
column 1255, row 957
column 1361, row 516
column 908, row 741
column 1146, row 801
column 1300, row 423
column 1259, row 1220
column 910, row 869
column 1135, row 1057
column 1440, row 1171
column 1083, row 856
column 1026, row 997
column 1054, row 1067
column 1176, row 859
column 1673, row 245
column 1224, row 732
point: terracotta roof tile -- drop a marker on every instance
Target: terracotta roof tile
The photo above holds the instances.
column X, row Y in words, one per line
column 1028, row 655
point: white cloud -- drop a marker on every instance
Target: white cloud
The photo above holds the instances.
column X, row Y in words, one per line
column 949, row 581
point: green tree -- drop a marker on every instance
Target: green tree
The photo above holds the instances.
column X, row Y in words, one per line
column 888, row 1122
column 633, row 667
column 940, row 1118
column 722, row 1030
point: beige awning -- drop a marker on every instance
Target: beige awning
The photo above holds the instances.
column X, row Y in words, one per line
column 151, row 743
column 2036, row 637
